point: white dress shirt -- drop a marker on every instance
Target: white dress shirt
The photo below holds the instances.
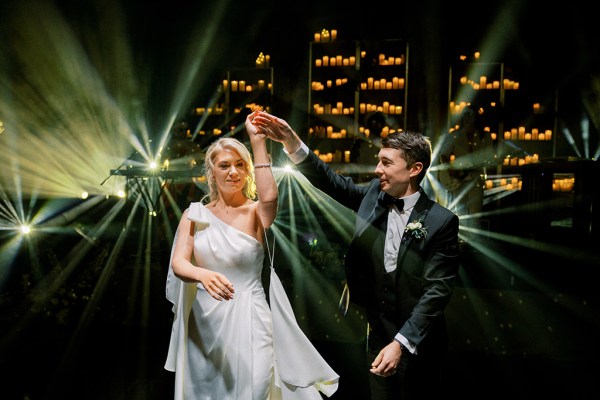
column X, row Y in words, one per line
column 397, row 220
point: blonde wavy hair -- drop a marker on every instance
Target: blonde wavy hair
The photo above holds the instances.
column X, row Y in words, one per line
column 213, row 150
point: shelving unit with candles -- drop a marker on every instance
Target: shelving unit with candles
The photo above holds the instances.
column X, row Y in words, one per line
column 241, row 90
column 247, row 89
column 383, row 85
column 349, row 80
column 521, row 126
column 332, row 96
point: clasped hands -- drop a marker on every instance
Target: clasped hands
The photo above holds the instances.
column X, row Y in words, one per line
column 262, row 125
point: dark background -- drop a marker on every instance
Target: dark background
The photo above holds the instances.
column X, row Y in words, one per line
column 549, row 46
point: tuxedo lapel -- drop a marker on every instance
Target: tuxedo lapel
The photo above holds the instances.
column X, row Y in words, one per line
column 375, row 214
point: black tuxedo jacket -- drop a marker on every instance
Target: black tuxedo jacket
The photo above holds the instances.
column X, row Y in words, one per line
column 427, row 268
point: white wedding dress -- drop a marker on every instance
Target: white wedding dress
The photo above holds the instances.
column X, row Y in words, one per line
column 244, row 348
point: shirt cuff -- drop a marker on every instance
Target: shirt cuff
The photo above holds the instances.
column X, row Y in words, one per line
column 299, row 155
column 406, row 344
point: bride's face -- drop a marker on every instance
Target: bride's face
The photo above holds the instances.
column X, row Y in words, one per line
column 230, row 171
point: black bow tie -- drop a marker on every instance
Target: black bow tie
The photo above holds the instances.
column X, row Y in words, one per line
column 388, row 200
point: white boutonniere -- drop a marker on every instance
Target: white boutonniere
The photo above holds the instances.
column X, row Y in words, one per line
column 415, row 229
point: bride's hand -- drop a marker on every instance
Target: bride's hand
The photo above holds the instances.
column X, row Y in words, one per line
column 253, row 128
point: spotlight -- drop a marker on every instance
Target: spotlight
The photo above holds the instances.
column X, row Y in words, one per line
column 25, row 229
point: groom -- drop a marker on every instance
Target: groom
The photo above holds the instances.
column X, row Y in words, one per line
column 402, row 262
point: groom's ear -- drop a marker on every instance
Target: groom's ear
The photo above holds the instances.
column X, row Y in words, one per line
column 416, row 168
